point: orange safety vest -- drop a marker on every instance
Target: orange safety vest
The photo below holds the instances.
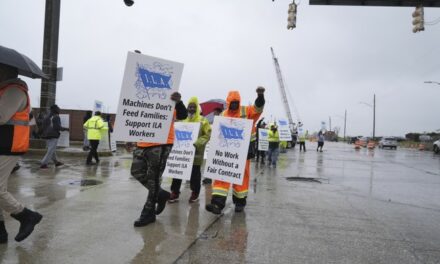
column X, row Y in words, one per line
column 170, row 139
column 15, row 133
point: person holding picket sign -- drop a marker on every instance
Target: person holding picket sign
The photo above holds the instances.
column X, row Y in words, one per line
column 194, row 116
column 149, row 161
column 220, row 189
column 274, row 145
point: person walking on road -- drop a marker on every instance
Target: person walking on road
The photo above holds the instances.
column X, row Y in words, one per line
column 149, row 162
column 86, row 143
column 14, row 141
column 203, row 138
column 302, row 137
column 274, row 145
column 220, row 189
column 51, row 133
column 262, row 154
column 320, row 141
column 95, row 125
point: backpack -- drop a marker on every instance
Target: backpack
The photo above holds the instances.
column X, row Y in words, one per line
column 47, row 127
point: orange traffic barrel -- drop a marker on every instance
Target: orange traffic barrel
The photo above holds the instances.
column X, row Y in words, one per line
column 371, row 145
column 357, row 144
column 421, row 146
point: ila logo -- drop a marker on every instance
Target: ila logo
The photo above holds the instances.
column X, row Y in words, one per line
column 153, row 80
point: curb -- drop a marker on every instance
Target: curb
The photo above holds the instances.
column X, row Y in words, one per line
column 68, row 152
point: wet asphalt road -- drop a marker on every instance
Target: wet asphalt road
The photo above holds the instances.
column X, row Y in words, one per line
column 380, row 206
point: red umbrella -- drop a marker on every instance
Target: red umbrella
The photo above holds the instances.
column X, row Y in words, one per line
column 208, row 108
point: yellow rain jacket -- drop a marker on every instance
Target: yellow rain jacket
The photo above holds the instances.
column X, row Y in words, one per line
column 94, row 127
column 204, row 132
column 273, row 136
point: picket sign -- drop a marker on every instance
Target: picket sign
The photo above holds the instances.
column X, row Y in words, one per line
column 64, row 139
column 145, row 109
column 228, row 149
column 181, row 158
column 263, row 139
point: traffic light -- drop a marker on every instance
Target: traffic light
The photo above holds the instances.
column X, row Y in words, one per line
column 291, row 18
column 128, row 2
column 418, row 19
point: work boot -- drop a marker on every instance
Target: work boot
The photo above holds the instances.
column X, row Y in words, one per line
column 58, row 163
column 147, row 217
column 3, row 233
column 239, row 208
column 194, row 197
column 240, row 203
column 28, row 220
column 162, row 199
column 213, row 208
column 174, row 197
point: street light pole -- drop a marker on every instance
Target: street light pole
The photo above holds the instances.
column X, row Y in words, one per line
column 345, row 123
column 330, row 123
column 374, row 113
column 374, row 116
column 50, row 53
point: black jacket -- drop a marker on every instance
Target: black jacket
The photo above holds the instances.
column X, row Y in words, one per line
column 51, row 126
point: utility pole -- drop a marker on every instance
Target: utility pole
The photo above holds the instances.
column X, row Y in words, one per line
column 330, row 123
column 50, row 53
column 374, row 116
column 345, row 123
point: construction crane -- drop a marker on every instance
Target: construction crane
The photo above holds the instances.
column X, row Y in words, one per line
column 283, row 90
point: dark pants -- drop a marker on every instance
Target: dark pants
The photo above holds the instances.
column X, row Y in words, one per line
column 196, row 176
column 272, row 155
column 147, row 167
column 302, row 145
column 261, row 154
column 93, row 153
column 320, row 145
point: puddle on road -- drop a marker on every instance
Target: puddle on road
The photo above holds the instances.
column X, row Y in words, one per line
column 304, row 179
column 80, row 182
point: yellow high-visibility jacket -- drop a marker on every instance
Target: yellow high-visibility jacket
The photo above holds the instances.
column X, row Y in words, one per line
column 273, row 136
column 94, row 127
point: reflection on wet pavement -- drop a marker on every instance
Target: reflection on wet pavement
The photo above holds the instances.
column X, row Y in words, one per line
column 380, row 206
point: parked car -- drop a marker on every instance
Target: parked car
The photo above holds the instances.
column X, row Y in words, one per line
column 388, row 142
column 436, row 146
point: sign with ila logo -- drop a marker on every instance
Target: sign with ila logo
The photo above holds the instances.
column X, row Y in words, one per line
column 263, row 139
column 284, row 130
column 145, row 110
column 181, row 158
column 228, row 148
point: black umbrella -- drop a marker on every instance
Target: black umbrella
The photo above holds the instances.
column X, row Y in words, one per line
column 25, row 66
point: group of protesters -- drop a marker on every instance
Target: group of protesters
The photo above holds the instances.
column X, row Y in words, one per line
column 277, row 146
column 149, row 159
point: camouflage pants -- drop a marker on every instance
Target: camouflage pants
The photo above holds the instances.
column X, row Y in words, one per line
column 147, row 167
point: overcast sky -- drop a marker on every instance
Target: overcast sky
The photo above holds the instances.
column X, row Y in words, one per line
column 337, row 56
